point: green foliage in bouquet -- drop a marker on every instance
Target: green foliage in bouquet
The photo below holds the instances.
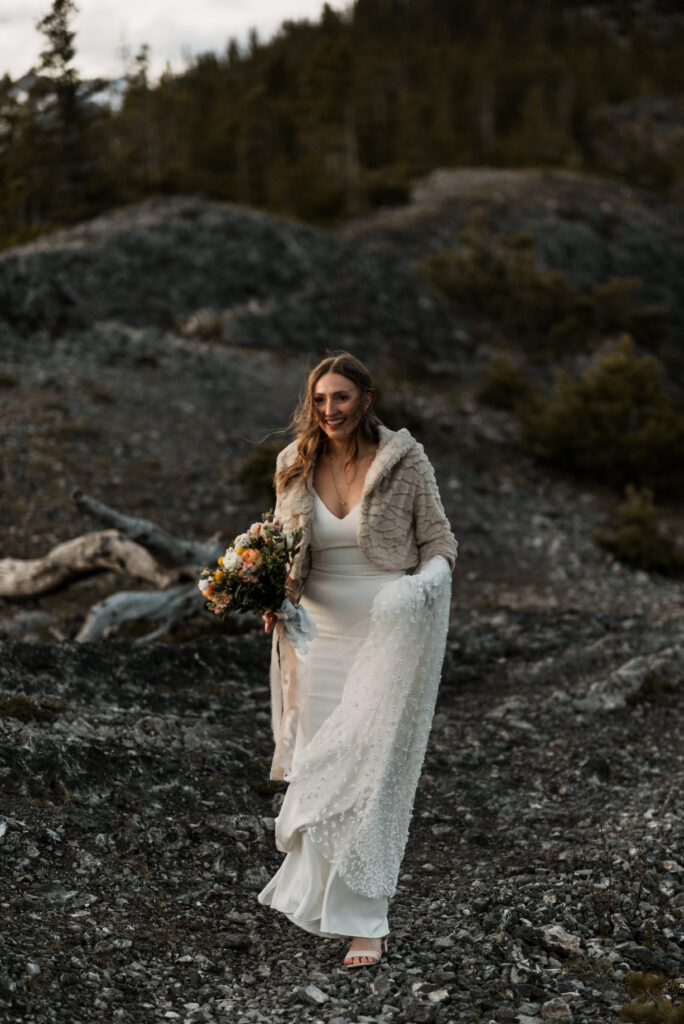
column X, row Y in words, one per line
column 251, row 575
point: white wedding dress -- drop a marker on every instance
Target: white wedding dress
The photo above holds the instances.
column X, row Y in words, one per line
column 338, row 594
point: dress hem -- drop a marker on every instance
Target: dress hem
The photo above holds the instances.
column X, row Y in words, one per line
column 308, row 926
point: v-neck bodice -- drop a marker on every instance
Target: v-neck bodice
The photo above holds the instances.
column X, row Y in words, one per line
column 339, row 518
column 334, row 543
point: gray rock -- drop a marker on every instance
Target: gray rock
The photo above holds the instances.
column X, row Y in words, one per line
column 556, row 1009
column 381, row 986
column 438, row 995
column 315, row 995
column 419, row 1012
column 557, row 938
column 613, row 693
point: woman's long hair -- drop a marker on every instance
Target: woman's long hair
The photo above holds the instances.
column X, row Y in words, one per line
column 309, row 435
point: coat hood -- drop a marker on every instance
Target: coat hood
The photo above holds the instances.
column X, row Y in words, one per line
column 392, row 446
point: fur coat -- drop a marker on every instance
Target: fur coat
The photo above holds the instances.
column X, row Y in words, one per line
column 402, row 522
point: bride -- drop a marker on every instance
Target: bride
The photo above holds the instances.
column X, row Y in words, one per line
column 367, row 501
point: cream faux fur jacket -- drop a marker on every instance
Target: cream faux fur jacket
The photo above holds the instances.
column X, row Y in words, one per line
column 402, row 522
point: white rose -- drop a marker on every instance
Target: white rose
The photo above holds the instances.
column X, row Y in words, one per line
column 231, row 561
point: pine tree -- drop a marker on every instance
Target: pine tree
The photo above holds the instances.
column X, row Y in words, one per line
column 64, row 123
column 56, row 58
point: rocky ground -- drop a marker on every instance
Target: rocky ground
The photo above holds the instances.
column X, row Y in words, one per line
column 545, row 858
column 141, row 355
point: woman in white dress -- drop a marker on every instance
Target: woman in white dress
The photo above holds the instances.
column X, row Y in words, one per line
column 336, row 481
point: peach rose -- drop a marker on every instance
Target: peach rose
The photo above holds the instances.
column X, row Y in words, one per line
column 251, row 557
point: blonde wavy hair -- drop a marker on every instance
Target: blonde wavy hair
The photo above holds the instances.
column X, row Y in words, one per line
column 309, row 435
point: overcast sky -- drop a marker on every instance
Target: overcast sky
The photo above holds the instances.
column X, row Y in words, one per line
column 172, row 28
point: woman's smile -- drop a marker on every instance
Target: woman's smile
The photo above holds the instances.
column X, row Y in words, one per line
column 338, row 404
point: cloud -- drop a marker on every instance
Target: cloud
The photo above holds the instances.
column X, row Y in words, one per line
column 173, row 30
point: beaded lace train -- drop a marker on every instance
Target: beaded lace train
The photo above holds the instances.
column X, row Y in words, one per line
column 353, row 786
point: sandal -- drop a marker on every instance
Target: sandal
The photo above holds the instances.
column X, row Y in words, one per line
column 372, row 953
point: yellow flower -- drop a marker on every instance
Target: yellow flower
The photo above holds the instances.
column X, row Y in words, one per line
column 239, row 551
column 218, row 575
column 220, row 559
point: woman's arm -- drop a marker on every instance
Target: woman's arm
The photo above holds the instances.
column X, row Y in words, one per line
column 292, row 586
column 433, row 530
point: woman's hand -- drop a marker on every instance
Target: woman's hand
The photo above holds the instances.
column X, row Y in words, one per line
column 292, row 591
column 270, row 617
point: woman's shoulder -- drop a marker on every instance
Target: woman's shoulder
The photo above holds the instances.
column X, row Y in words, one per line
column 286, row 455
column 399, row 447
column 398, row 455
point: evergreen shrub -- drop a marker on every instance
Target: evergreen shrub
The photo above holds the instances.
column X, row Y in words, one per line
column 503, row 383
column 616, row 423
column 498, row 277
column 637, row 540
column 256, row 472
column 387, row 187
column 650, row 1003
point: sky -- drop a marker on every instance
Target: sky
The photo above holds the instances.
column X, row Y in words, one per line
column 174, row 30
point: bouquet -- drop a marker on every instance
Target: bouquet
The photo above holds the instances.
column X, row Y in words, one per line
column 251, row 577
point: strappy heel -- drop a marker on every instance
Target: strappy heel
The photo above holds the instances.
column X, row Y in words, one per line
column 373, row 954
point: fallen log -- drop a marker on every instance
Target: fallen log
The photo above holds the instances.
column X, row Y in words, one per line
column 167, row 549
column 91, row 552
column 169, row 606
column 135, row 547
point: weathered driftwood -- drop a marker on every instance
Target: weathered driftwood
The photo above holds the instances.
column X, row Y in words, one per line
column 136, row 547
column 166, row 606
column 168, row 550
column 104, row 549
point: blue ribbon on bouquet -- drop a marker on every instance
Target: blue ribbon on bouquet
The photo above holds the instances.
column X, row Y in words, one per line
column 298, row 625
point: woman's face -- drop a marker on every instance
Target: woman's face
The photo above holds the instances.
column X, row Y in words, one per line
column 338, row 405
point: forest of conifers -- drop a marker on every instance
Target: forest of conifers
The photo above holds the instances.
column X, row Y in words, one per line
column 332, row 118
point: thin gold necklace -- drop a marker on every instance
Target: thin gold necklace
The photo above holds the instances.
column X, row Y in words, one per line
column 332, row 477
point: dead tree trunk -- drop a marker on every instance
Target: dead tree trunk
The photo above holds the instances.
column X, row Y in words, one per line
column 164, row 606
column 135, row 547
column 106, row 549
